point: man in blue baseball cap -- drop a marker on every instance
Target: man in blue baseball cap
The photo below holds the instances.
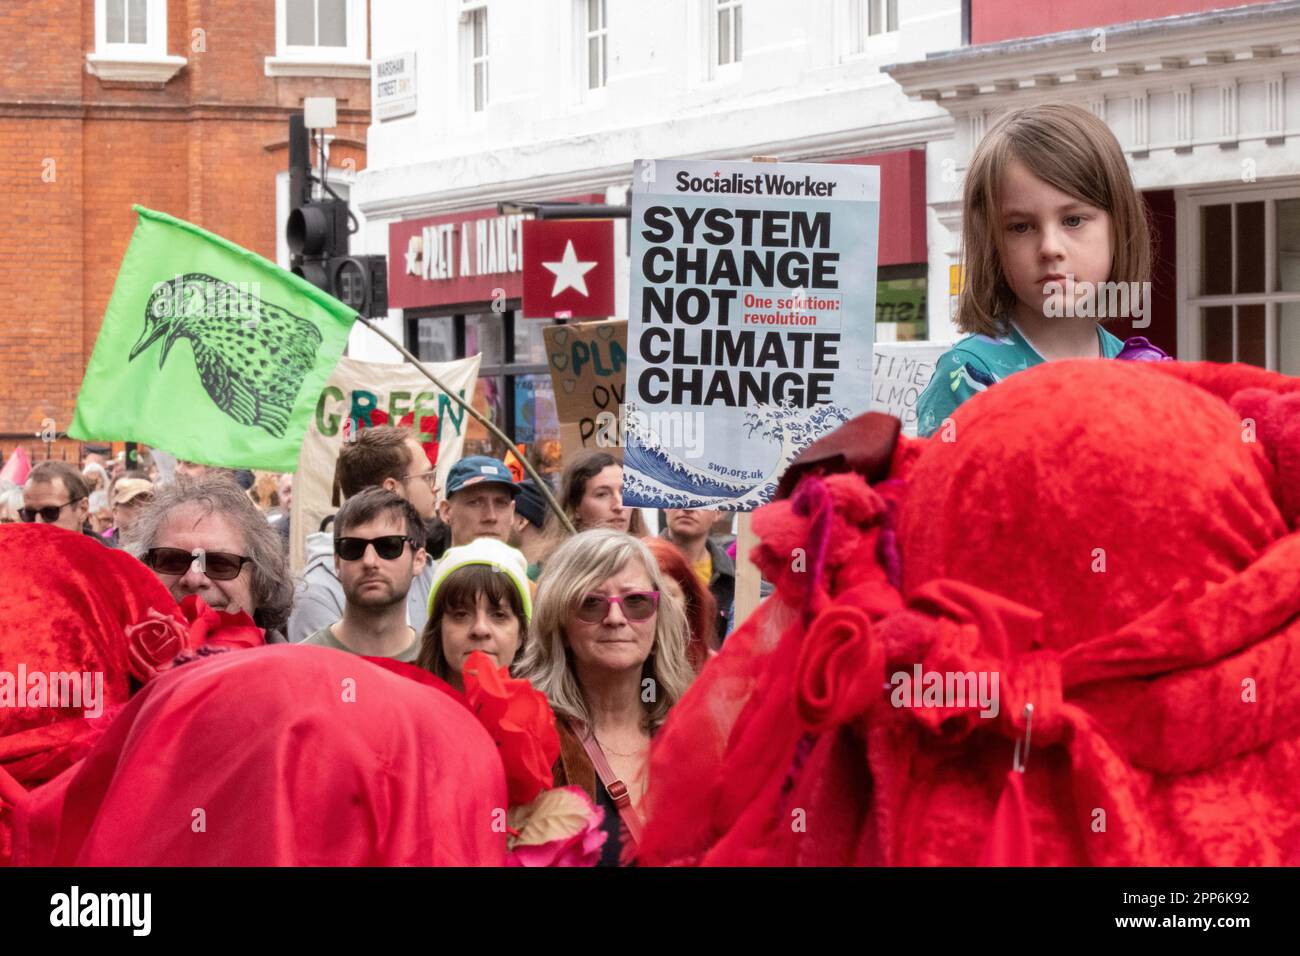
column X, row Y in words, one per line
column 479, row 501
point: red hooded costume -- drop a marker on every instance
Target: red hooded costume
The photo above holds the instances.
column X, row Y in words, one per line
column 65, row 604
column 294, row 755
column 277, row 756
column 1128, row 565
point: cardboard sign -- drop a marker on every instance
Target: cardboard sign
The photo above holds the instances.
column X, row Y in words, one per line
column 751, row 323
column 901, row 372
column 360, row 395
column 588, row 364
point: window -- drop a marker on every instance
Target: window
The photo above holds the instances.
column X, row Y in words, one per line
column 1245, row 282
column 727, row 32
column 901, row 311
column 127, row 21
column 863, row 24
column 882, row 16
column 313, row 23
column 594, row 34
column 131, row 42
column 320, row 38
column 514, row 385
column 474, row 27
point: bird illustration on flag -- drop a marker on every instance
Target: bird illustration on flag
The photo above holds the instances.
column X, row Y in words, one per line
column 251, row 356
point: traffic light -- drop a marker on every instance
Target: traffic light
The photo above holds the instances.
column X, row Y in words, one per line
column 317, row 234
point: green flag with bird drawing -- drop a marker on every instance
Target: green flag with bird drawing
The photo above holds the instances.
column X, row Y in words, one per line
column 209, row 351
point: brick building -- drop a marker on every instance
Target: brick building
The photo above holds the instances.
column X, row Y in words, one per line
column 179, row 105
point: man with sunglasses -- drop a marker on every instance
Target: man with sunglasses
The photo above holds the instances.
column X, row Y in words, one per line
column 206, row 537
column 379, row 457
column 55, row 493
column 377, row 554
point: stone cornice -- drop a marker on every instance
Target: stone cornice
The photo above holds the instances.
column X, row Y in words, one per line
column 1189, row 49
column 837, row 145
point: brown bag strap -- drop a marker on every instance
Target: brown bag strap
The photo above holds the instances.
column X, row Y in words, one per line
column 615, row 787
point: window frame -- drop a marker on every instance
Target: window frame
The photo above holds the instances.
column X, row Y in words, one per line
column 587, row 35
column 155, row 45
column 1191, row 331
column 736, row 9
column 353, row 53
column 470, row 11
column 880, row 9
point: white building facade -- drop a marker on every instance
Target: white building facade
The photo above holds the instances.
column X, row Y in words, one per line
column 546, row 100
column 1206, row 106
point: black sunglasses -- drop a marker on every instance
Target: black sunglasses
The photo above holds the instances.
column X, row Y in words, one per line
column 49, row 514
column 217, row 565
column 388, row 547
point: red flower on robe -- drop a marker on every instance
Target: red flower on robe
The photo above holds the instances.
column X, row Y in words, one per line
column 520, row 721
column 841, row 667
column 154, row 643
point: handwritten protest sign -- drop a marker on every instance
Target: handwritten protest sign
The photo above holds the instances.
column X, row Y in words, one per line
column 751, row 323
column 359, row 395
column 901, row 372
column 588, row 363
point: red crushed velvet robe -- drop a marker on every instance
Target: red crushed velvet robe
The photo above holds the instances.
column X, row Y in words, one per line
column 1116, row 541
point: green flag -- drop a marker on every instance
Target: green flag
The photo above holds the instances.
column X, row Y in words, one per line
column 209, row 351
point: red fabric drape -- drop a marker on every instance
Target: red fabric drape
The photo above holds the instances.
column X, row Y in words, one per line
column 1128, row 564
column 276, row 756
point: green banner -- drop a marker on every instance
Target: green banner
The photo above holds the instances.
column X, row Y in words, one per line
column 209, row 351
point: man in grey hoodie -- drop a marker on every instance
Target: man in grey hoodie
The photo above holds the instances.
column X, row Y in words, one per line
column 383, row 457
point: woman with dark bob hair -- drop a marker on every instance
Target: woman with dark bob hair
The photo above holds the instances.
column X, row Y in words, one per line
column 479, row 601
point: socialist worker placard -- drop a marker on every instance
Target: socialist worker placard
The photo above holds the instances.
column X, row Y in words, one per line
column 750, row 329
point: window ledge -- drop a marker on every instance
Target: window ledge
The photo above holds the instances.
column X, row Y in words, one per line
column 142, row 69
column 300, row 66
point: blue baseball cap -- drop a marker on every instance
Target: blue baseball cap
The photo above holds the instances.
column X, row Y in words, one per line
column 479, row 470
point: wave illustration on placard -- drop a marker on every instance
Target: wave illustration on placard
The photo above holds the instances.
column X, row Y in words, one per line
column 654, row 476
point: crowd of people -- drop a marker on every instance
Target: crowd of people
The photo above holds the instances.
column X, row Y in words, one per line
column 608, row 622
column 461, row 676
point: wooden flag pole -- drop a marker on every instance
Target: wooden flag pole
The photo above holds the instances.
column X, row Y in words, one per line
column 748, row 578
column 542, row 486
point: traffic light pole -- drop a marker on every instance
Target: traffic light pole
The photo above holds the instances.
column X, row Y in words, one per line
column 542, row 486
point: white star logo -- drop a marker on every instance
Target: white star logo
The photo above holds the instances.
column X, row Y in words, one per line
column 569, row 272
column 413, row 249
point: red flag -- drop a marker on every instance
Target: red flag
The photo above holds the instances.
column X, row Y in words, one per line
column 17, row 467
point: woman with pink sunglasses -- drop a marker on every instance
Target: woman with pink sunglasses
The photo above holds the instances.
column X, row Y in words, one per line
column 609, row 651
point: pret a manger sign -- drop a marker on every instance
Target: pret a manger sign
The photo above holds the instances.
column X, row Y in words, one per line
column 475, row 247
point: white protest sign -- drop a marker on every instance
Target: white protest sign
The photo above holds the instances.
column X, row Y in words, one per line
column 751, row 323
column 359, row 395
column 902, row 371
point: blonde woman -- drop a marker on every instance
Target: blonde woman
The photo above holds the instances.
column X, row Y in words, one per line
column 609, row 651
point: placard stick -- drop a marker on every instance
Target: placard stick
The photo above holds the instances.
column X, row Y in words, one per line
column 747, row 574
column 542, row 486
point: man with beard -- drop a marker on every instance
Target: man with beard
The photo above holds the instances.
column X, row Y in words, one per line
column 378, row 551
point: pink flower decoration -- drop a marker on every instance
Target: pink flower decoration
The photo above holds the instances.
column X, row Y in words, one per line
column 562, row 827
